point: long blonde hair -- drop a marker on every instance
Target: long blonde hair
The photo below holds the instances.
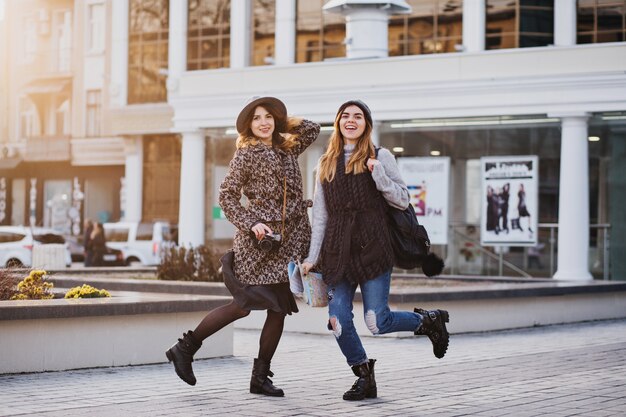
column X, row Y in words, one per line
column 280, row 138
column 363, row 150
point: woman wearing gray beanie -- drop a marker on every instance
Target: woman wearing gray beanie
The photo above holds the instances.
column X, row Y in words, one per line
column 350, row 243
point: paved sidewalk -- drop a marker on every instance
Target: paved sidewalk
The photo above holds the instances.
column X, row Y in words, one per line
column 556, row 371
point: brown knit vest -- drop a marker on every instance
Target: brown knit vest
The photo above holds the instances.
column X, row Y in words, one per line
column 356, row 242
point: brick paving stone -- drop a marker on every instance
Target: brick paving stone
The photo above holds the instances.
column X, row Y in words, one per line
column 553, row 370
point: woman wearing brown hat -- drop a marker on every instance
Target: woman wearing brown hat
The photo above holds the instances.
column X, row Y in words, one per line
column 353, row 188
column 272, row 228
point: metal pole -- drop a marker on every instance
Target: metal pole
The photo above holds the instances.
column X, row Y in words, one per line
column 552, row 241
column 606, row 253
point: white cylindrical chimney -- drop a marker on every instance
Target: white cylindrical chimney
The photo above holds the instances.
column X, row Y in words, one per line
column 366, row 25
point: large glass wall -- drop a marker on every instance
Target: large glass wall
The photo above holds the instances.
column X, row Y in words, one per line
column 147, row 50
column 208, row 34
column 319, row 35
column 519, row 23
column 601, row 21
column 263, row 31
column 433, row 26
column 465, row 141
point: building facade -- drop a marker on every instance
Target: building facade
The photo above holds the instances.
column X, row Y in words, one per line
column 461, row 79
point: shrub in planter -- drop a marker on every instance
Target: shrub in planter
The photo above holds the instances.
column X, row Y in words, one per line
column 34, row 287
column 200, row 263
column 8, row 283
column 86, row 291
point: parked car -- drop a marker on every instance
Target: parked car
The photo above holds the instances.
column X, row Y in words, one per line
column 113, row 257
column 16, row 244
column 139, row 242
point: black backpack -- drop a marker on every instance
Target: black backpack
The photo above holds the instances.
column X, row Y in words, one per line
column 410, row 242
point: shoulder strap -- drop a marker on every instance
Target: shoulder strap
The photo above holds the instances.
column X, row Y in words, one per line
column 376, row 152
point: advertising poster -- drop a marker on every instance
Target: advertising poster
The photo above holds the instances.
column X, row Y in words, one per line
column 427, row 180
column 509, row 201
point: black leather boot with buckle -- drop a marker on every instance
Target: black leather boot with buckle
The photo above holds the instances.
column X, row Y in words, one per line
column 434, row 326
column 365, row 386
column 260, row 382
column 182, row 356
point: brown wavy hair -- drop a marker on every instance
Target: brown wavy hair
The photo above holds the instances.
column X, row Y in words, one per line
column 363, row 150
column 282, row 125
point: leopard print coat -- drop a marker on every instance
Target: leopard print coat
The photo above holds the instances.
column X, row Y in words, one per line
column 258, row 172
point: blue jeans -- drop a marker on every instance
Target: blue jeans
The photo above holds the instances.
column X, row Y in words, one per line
column 378, row 317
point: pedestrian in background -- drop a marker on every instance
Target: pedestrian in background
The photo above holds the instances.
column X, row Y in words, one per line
column 97, row 245
column 353, row 189
column 88, row 229
column 271, row 230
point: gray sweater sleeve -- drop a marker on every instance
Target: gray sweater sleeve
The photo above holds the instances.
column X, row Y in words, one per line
column 388, row 182
column 320, row 218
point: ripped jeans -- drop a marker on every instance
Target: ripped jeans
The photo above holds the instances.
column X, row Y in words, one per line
column 378, row 317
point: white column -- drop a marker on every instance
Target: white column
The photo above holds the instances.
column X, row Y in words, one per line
column 240, row 33
column 133, row 173
column 177, row 51
column 118, row 87
column 285, row 39
column 192, row 189
column 474, row 25
column 573, row 255
column 565, row 23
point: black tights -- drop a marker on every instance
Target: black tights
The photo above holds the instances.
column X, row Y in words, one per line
column 226, row 314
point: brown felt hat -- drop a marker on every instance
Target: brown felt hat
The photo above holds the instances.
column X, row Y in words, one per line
column 259, row 101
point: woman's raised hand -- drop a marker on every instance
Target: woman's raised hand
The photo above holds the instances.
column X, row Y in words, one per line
column 260, row 230
column 371, row 163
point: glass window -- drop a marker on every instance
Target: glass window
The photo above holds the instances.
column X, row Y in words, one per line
column 116, row 234
column 29, row 47
column 519, row 23
column 319, row 35
column 601, row 21
column 147, row 50
column 62, row 24
column 161, row 178
column 93, row 112
column 208, row 35
column 433, row 26
column 144, row 231
column 263, row 30
column 95, row 29
column 7, row 237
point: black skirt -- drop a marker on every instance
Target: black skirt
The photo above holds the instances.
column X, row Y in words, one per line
column 275, row 297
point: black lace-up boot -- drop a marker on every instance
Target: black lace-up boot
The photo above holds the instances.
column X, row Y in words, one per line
column 365, row 386
column 434, row 326
column 260, row 382
column 182, row 356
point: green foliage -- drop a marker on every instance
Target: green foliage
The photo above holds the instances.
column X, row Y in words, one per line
column 8, row 283
column 34, row 287
column 200, row 263
column 86, row 291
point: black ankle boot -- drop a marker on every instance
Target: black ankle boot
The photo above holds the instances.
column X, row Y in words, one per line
column 365, row 386
column 260, row 382
column 182, row 356
column 434, row 326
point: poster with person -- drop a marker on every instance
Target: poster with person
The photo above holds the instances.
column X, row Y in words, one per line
column 509, row 201
column 427, row 180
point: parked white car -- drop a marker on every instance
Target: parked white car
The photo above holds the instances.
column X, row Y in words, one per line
column 16, row 244
column 139, row 242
